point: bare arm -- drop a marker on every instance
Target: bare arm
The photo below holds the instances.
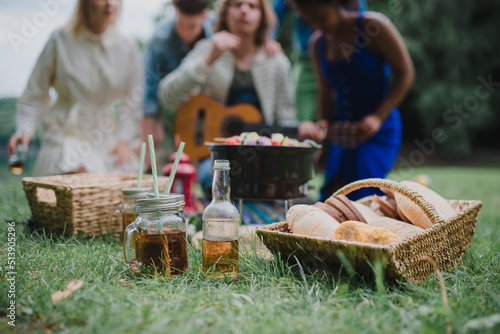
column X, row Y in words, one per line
column 325, row 102
column 390, row 45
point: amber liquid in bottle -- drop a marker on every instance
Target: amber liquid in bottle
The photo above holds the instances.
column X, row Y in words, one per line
column 17, row 168
column 220, row 227
column 16, row 160
column 220, row 257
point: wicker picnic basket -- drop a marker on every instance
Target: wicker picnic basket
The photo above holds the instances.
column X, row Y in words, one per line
column 411, row 258
column 80, row 203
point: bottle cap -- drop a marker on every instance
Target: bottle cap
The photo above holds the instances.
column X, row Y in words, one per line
column 221, row 165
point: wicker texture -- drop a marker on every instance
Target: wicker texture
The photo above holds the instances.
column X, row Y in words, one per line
column 80, row 203
column 445, row 242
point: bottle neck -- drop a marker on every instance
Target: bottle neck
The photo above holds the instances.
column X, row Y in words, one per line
column 221, row 187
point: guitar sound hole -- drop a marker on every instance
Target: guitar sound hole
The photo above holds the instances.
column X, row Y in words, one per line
column 231, row 126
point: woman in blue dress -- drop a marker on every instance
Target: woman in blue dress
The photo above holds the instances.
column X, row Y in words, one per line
column 364, row 71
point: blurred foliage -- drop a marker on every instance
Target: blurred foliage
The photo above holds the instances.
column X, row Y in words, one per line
column 7, row 118
column 452, row 44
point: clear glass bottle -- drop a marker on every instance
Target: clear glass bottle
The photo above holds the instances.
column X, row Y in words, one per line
column 220, row 226
column 156, row 240
column 16, row 160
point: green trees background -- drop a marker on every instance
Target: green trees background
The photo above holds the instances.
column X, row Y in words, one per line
column 455, row 49
column 453, row 44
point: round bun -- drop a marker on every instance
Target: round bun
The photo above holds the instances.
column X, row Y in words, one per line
column 416, row 215
column 362, row 232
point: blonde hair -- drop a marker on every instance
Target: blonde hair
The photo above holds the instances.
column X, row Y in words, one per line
column 81, row 17
column 267, row 19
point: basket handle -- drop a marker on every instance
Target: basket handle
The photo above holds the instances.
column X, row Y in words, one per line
column 415, row 197
column 45, row 186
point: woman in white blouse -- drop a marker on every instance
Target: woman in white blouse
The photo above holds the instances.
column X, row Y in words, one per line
column 97, row 75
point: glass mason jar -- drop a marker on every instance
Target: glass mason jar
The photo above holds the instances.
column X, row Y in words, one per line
column 156, row 240
column 220, row 226
column 181, row 197
column 126, row 209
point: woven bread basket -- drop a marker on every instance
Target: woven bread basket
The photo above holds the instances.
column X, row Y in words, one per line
column 80, row 203
column 445, row 242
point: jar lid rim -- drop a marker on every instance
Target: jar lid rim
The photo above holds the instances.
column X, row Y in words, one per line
column 135, row 192
column 169, row 202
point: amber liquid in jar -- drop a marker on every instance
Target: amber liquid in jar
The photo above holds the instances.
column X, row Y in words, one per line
column 127, row 219
column 177, row 251
column 164, row 253
column 222, row 254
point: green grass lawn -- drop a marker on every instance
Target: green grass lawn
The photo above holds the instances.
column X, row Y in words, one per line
column 269, row 296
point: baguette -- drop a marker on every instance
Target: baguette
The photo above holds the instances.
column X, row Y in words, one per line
column 338, row 205
column 311, row 221
column 335, row 214
column 351, row 207
column 399, row 228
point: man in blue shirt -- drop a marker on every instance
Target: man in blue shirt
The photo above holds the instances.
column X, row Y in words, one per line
column 170, row 43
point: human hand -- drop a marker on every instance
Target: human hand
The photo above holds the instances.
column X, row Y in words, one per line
column 14, row 139
column 272, row 47
column 124, row 154
column 367, row 128
column 314, row 131
column 222, row 41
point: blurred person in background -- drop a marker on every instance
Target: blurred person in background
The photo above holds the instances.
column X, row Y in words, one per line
column 303, row 77
column 234, row 67
column 171, row 42
column 363, row 71
column 97, row 75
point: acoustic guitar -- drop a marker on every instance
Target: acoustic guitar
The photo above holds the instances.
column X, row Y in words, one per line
column 203, row 119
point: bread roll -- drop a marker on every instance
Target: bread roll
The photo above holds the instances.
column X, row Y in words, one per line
column 416, row 215
column 366, row 211
column 311, row 221
column 399, row 228
column 386, row 209
column 334, row 213
column 340, row 206
column 351, row 207
column 361, row 232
